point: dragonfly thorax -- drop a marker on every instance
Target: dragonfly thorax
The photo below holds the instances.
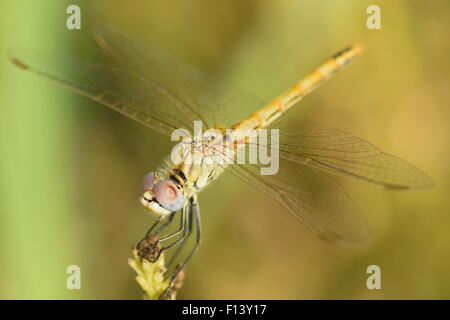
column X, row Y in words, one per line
column 197, row 163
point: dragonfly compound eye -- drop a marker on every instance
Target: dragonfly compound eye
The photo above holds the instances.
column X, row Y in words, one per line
column 147, row 183
column 168, row 196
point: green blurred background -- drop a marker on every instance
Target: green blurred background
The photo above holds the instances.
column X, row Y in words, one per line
column 71, row 169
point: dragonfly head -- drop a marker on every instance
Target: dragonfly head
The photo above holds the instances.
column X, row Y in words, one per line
column 160, row 196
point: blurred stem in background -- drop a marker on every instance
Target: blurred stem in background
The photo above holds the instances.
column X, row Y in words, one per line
column 36, row 233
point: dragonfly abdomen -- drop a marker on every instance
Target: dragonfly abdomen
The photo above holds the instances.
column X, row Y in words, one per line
column 274, row 109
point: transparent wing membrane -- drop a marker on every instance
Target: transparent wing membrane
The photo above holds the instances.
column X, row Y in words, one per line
column 199, row 95
column 308, row 153
column 312, row 197
column 341, row 153
column 105, row 84
column 147, row 85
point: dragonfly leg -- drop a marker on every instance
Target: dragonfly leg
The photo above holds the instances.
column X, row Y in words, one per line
column 164, row 223
column 153, row 245
column 149, row 248
column 183, row 229
column 182, row 243
column 194, row 228
column 180, row 230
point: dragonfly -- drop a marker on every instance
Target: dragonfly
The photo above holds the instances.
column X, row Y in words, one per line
column 159, row 91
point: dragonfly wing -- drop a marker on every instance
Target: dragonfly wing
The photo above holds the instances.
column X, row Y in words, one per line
column 311, row 196
column 341, row 153
column 107, row 84
column 195, row 93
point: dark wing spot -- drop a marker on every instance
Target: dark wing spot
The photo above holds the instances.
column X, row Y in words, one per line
column 19, row 64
